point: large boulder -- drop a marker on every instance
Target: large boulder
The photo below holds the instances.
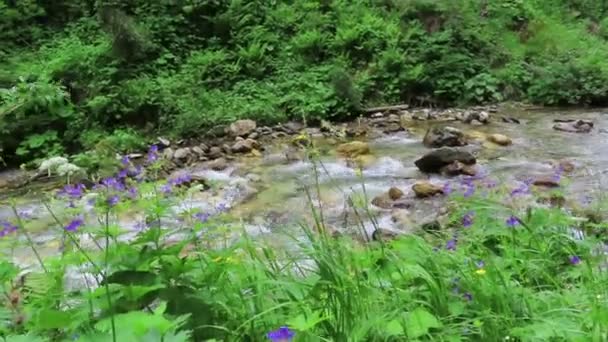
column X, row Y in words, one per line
column 573, row 126
column 353, row 149
column 242, row 128
column 444, row 136
column 433, row 161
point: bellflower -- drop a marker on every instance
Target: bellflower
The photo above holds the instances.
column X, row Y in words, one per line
column 512, row 221
column 74, row 224
column 74, row 191
column 283, row 334
column 125, row 160
column 467, row 219
column 451, row 245
column 113, row 200
column 152, row 154
column 575, row 260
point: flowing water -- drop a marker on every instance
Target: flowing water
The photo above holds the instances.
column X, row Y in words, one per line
column 265, row 194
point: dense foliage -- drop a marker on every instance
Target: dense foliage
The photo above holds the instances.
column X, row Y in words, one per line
column 497, row 272
column 74, row 71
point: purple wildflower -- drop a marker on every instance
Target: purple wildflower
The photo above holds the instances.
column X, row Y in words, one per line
column 72, row 190
column 480, row 264
column 202, row 217
column 123, row 173
column 152, row 154
column 447, row 188
column 74, row 224
column 221, row 207
column 113, row 183
column 468, row 296
column 132, row 192
column 113, row 200
column 26, row 214
column 470, row 190
column 467, row 219
column 166, row 189
column 512, row 221
column 491, row 183
column 125, row 160
column 181, row 179
column 283, row 334
column 7, row 228
column 575, row 260
column 451, row 245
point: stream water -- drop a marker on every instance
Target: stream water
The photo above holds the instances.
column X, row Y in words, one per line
column 266, row 194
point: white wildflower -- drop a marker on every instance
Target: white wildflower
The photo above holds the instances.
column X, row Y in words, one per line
column 68, row 169
column 52, row 164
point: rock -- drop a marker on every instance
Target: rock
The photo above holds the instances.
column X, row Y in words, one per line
column 356, row 131
column 392, row 128
column 395, row 193
column 431, row 226
column 278, row 135
column 457, row 168
column 382, row 201
column 361, row 162
column 244, row 146
column 578, row 126
column 510, row 120
column 264, row 130
column 226, row 148
column 168, row 153
column 198, row 151
column 433, row 161
column 204, row 147
column 302, row 140
column 353, row 149
column 476, row 123
column 253, row 135
column 164, row 142
column 242, row 128
column 182, row 154
column 377, row 115
column 426, row 189
column 481, row 117
column 444, row 136
column 500, row 139
column 293, row 127
column 546, row 181
column 215, row 152
column 401, row 219
column 218, row 164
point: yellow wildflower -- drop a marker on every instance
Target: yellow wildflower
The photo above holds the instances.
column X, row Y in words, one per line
column 480, row 271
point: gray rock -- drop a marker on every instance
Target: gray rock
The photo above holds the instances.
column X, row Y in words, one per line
column 168, row 153
column 242, row 128
column 244, row 146
column 198, row 151
column 164, row 142
column 182, row 154
column 578, row 126
column 444, row 136
column 218, row 164
column 215, row 152
column 432, row 162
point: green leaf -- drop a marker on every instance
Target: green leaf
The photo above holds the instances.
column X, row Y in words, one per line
column 419, row 322
column 394, row 328
column 47, row 319
column 306, row 322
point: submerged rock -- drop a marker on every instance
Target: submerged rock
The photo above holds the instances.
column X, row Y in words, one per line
column 426, row 189
column 444, row 136
column 573, row 126
column 432, row 162
column 353, row 149
column 546, row 181
column 500, row 139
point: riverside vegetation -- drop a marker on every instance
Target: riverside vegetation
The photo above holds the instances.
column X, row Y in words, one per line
column 103, row 75
column 494, row 273
column 93, row 79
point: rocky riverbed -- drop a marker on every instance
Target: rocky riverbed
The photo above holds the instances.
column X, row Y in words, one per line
column 408, row 159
